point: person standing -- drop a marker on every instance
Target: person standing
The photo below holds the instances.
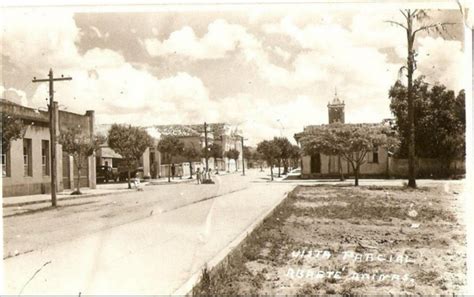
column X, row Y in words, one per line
column 173, row 170
column 198, row 176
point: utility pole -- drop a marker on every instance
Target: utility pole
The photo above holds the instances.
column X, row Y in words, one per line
column 243, row 157
column 52, row 129
column 206, row 147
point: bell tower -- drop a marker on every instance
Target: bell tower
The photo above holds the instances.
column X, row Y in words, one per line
column 336, row 110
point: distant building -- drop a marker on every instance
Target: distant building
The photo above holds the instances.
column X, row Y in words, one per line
column 153, row 163
column 378, row 163
column 324, row 166
column 105, row 156
column 26, row 166
column 193, row 135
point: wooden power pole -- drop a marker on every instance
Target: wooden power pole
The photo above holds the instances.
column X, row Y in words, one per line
column 206, row 149
column 52, row 129
column 243, row 157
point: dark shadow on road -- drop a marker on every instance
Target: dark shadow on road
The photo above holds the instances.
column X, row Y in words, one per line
column 43, row 209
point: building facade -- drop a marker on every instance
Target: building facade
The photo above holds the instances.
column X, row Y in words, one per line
column 326, row 166
column 154, row 164
column 26, row 165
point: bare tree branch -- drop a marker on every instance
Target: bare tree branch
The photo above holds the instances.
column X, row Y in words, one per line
column 397, row 23
column 404, row 14
column 439, row 27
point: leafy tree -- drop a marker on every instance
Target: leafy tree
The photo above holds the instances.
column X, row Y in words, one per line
column 270, row 152
column 294, row 155
column 215, row 152
column 234, row 155
column 285, row 153
column 80, row 145
column 414, row 22
column 191, row 153
column 436, row 109
column 258, row 157
column 247, row 154
column 351, row 141
column 12, row 129
column 170, row 146
column 130, row 142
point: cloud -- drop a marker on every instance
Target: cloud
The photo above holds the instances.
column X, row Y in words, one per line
column 49, row 43
column 262, row 118
column 102, row 79
column 220, row 39
column 282, row 53
column 14, row 95
column 296, row 77
column 96, row 31
column 441, row 61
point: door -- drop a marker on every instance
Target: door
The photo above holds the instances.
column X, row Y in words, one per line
column 66, row 168
column 316, row 163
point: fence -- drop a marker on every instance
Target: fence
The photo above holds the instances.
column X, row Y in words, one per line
column 427, row 168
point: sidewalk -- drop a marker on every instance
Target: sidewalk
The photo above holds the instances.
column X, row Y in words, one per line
column 101, row 190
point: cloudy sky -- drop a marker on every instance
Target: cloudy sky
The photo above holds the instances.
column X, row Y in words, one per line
column 269, row 69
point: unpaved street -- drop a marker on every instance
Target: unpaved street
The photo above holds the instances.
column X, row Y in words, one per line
column 141, row 242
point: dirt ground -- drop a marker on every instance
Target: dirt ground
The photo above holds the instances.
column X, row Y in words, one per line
column 347, row 240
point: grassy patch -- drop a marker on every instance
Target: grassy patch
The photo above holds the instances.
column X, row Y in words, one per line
column 415, row 232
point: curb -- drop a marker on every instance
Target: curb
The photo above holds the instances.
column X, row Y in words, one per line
column 91, row 195
column 186, row 288
column 184, row 181
column 69, row 197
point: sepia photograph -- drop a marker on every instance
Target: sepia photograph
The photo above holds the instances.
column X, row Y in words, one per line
column 224, row 149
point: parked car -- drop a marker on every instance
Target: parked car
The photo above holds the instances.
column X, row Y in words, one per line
column 106, row 173
column 123, row 173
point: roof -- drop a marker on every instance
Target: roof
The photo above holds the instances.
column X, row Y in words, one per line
column 107, row 152
column 177, row 130
column 309, row 129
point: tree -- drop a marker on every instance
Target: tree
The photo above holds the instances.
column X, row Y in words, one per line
column 234, row 155
column 258, row 157
column 436, row 109
column 247, row 154
column 130, row 142
column 80, row 145
column 413, row 24
column 191, row 153
column 351, row 141
column 170, row 146
column 294, row 155
column 12, row 129
column 215, row 152
column 285, row 152
column 270, row 151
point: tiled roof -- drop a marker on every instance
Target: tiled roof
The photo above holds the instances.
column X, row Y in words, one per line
column 177, row 130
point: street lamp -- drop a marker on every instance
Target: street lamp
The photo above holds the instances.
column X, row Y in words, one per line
column 282, row 127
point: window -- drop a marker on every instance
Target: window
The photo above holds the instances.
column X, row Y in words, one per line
column 375, row 155
column 45, row 156
column 27, row 159
column 5, row 164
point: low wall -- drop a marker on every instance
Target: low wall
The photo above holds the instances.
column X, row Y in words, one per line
column 427, row 168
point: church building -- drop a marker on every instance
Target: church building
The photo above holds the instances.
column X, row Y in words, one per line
column 324, row 166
